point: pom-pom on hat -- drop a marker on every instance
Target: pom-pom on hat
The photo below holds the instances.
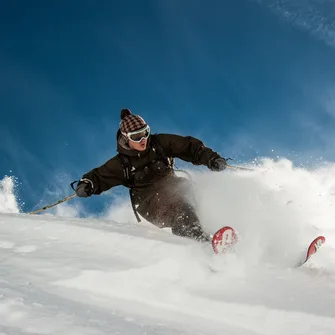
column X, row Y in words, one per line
column 130, row 122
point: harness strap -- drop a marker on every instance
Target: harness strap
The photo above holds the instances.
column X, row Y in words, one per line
column 160, row 152
column 129, row 181
column 133, row 205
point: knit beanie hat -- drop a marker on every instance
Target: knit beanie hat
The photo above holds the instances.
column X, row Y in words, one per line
column 130, row 122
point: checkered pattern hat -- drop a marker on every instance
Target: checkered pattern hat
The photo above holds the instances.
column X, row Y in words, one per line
column 130, row 122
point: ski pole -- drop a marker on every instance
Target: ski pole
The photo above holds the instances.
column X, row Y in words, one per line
column 238, row 168
column 55, row 204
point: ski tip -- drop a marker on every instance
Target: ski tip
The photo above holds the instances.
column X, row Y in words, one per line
column 315, row 246
column 319, row 240
column 224, row 239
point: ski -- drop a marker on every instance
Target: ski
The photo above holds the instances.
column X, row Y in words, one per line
column 224, row 240
column 312, row 249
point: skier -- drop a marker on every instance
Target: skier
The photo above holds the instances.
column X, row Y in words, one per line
column 144, row 164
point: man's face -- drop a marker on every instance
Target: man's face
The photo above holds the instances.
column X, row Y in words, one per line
column 138, row 139
column 139, row 146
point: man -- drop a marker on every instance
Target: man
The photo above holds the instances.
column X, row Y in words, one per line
column 144, row 164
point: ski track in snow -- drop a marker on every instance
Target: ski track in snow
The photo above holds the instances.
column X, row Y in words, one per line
column 99, row 277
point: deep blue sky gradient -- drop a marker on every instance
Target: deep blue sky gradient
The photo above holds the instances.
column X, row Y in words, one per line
column 233, row 73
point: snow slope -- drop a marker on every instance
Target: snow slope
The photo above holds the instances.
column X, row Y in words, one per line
column 63, row 275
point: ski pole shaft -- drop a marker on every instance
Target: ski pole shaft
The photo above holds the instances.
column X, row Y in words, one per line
column 238, row 168
column 52, row 205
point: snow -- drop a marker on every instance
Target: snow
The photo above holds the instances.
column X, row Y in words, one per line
column 66, row 275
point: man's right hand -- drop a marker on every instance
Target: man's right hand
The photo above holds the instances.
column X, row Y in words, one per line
column 217, row 164
column 84, row 188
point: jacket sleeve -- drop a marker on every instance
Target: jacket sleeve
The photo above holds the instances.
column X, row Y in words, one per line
column 187, row 148
column 106, row 176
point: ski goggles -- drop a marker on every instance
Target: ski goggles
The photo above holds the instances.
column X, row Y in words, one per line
column 138, row 135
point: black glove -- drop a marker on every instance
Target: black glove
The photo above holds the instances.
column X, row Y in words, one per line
column 84, row 188
column 217, row 164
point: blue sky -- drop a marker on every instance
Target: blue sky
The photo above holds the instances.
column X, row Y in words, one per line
column 234, row 73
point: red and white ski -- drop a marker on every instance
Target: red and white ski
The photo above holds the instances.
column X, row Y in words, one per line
column 313, row 248
column 224, row 239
